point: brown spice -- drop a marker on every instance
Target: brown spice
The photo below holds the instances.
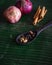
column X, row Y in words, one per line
column 36, row 12
column 39, row 15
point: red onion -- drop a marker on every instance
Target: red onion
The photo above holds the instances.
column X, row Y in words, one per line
column 25, row 6
column 13, row 14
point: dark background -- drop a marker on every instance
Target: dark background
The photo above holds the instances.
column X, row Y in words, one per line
column 39, row 52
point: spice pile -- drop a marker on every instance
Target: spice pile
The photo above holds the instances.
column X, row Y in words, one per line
column 27, row 37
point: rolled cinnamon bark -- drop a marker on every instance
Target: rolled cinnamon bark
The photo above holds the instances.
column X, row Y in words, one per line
column 36, row 12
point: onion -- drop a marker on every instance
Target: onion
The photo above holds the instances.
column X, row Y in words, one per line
column 25, row 6
column 13, row 14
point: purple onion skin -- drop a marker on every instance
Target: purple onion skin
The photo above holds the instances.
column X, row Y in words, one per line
column 25, row 8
